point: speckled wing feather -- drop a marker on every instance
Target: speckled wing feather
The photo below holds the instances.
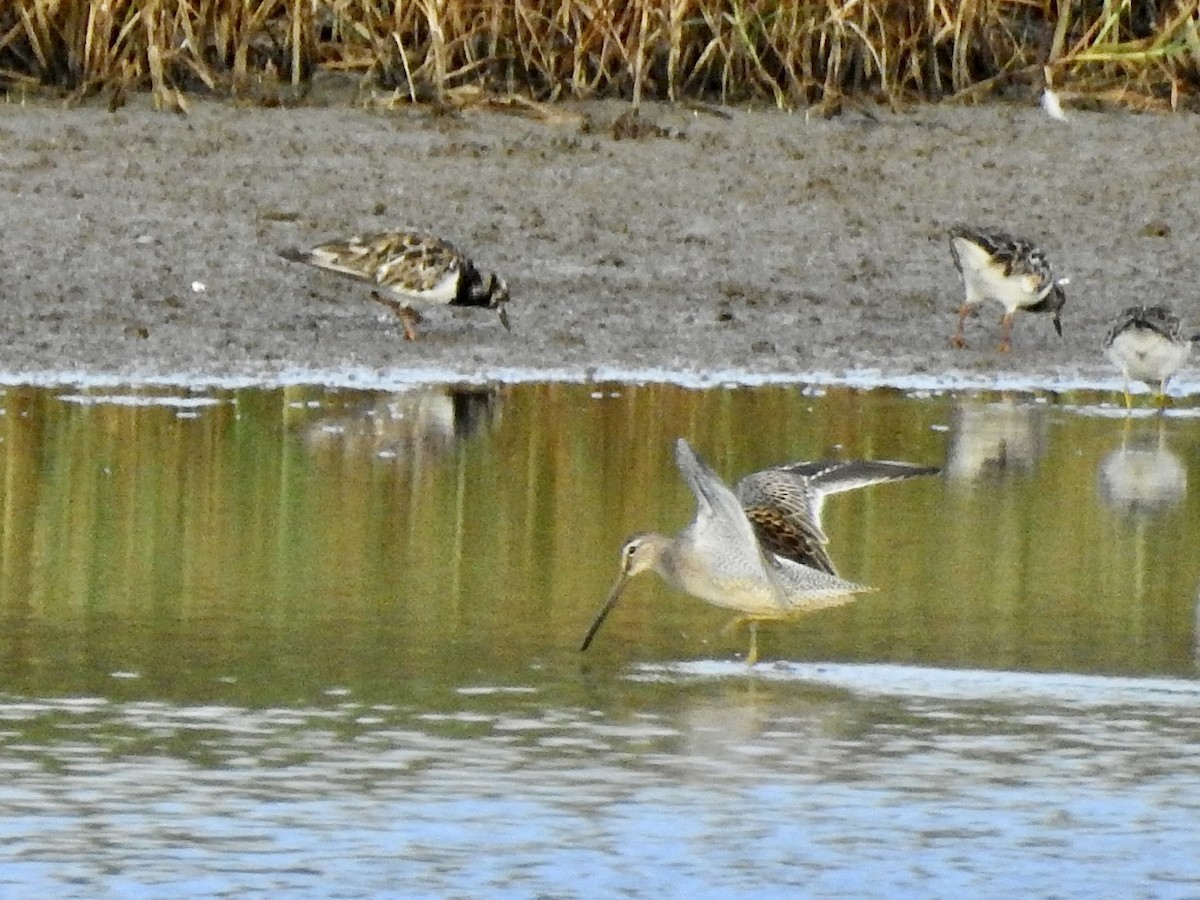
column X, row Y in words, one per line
column 784, row 503
column 790, row 537
column 1158, row 319
column 411, row 263
column 403, row 262
column 1015, row 257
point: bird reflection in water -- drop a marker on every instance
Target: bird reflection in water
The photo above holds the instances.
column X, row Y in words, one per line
column 994, row 440
column 1142, row 476
column 411, row 426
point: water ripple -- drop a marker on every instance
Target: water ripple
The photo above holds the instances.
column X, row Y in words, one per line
column 875, row 781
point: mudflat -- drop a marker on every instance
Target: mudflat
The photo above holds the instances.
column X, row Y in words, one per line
column 754, row 244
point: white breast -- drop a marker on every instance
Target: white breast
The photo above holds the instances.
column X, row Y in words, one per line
column 1144, row 355
column 985, row 280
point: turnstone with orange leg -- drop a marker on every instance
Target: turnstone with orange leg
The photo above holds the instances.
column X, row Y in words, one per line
column 759, row 548
column 408, row 267
column 1011, row 271
column 1147, row 344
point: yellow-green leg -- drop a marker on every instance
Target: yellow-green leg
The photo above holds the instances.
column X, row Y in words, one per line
column 752, row 624
column 752, row 655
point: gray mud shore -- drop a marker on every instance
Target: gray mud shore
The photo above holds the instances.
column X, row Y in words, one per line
column 143, row 246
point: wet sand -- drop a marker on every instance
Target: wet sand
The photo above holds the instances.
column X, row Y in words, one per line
column 143, row 246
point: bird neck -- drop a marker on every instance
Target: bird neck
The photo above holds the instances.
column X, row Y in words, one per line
column 663, row 558
column 473, row 288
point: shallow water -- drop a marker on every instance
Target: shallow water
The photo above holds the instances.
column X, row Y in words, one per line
column 325, row 642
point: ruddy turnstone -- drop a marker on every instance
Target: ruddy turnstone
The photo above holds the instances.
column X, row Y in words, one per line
column 1013, row 272
column 408, row 268
column 759, row 548
column 1147, row 344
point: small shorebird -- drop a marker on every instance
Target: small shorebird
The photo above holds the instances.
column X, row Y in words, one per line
column 759, row 548
column 411, row 268
column 1147, row 344
column 1013, row 272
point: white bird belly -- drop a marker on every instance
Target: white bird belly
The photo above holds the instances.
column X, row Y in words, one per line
column 985, row 280
column 1143, row 355
column 442, row 291
column 745, row 595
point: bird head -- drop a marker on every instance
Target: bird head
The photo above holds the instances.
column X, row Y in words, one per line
column 1053, row 303
column 639, row 553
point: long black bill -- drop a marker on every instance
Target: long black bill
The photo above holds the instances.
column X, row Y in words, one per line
column 614, row 595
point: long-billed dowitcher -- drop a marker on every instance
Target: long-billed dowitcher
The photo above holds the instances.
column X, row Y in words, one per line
column 1013, row 272
column 411, row 268
column 758, row 549
column 1147, row 344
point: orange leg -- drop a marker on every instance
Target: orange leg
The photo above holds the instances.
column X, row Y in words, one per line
column 409, row 317
column 959, row 340
column 1005, row 330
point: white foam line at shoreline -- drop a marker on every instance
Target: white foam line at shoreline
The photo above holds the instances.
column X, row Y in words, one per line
column 977, row 685
column 409, row 378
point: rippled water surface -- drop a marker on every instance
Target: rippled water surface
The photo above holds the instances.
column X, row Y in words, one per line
column 320, row 642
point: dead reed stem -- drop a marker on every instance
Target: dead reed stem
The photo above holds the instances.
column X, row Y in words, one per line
column 792, row 53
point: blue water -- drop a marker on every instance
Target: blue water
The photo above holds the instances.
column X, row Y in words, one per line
column 826, row 780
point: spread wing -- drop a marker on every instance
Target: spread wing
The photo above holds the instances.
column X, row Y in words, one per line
column 720, row 529
column 784, row 504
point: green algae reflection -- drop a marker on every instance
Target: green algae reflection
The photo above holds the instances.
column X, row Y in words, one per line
column 274, row 545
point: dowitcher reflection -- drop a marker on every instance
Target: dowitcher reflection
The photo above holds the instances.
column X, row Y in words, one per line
column 758, row 549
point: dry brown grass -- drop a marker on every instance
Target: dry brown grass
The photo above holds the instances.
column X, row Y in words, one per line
column 792, row 53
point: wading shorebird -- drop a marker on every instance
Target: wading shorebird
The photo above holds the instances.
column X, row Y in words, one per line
column 759, row 548
column 1147, row 344
column 1013, row 272
column 407, row 268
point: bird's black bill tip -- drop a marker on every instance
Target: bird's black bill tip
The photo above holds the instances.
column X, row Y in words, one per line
column 293, row 255
column 1058, row 325
column 591, row 632
column 504, row 318
column 609, row 602
column 594, row 627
